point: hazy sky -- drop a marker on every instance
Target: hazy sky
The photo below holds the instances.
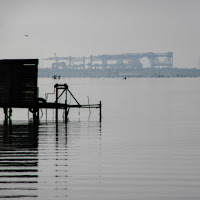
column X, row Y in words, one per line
column 86, row 27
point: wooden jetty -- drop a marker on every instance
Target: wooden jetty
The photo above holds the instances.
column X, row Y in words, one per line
column 18, row 89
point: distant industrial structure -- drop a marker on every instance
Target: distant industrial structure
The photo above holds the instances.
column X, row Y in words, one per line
column 118, row 61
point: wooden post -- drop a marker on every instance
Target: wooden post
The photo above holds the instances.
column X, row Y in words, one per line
column 10, row 113
column 100, row 111
column 56, row 103
column 46, row 115
column 34, row 118
column 6, row 114
column 35, row 113
column 38, row 115
column 66, row 113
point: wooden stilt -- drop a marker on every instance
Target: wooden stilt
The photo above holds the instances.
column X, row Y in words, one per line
column 66, row 113
column 56, row 86
column 100, row 111
column 10, row 113
column 6, row 113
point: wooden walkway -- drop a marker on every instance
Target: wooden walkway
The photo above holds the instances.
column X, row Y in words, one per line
column 43, row 104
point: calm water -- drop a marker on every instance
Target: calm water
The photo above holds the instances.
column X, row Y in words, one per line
column 146, row 147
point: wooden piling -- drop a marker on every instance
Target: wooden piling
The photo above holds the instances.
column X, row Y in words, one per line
column 10, row 113
column 66, row 113
column 5, row 113
column 56, row 86
column 100, row 113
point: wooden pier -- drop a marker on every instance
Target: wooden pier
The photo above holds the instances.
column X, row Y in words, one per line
column 18, row 89
column 42, row 103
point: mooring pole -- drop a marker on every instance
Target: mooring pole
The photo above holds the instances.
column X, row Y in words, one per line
column 100, row 114
column 56, row 86
column 34, row 117
column 66, row 106
column 66, row 113
column 38, row 115
column 6, row 113
column 10, row 113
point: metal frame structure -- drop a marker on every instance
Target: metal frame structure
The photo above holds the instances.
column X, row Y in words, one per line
column 56, row 105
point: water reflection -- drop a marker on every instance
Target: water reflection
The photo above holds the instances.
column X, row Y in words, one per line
column 18, row 160
column 67, row 157
column 49, row 161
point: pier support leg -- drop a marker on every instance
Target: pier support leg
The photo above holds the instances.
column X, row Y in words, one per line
column 66, row 110
column 66, row 113
column 56, row 86
column 36, row 117
column 10, row 113
column 5, row 113
column 100, row 112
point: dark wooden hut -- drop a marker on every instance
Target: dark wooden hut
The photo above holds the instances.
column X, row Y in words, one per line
column 18, row 83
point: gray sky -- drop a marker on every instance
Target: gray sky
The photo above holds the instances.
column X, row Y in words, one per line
column 86, row 27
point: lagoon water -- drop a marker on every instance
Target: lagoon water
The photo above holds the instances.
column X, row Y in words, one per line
column 147, row 146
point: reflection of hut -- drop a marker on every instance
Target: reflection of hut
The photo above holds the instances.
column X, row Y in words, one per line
column 18, row 137
column 19, row 161
column 18, row 83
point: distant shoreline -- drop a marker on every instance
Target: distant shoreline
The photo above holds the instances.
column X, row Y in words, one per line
column 113, row 73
